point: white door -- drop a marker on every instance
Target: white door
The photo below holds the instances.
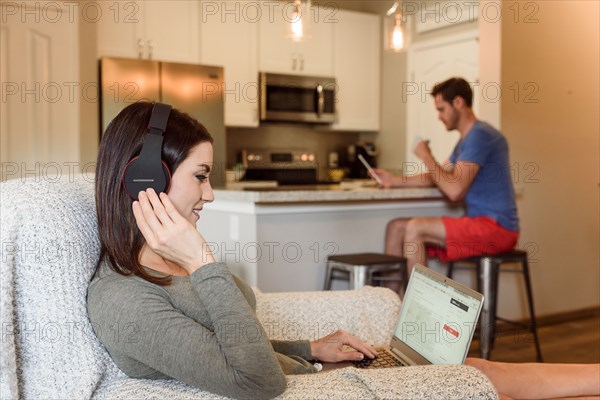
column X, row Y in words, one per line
column 428, row 65
column 41, row 92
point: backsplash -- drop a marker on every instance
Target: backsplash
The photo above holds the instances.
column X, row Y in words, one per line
column 317, row 139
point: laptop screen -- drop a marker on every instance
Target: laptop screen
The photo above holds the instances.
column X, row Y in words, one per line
column 437, row 318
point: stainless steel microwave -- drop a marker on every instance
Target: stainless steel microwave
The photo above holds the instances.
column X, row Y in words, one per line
column 295, row 98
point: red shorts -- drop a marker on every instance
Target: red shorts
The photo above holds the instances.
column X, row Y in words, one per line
column 473, row 236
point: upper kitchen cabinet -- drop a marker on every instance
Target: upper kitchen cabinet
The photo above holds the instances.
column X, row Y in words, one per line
column 357, row 62
column 229, row 38
column 141, row 29
column 279, row 53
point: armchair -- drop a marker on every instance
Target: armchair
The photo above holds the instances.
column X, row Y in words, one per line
column 49, row 250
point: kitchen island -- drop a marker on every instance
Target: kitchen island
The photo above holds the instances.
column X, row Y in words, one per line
column 279, row 238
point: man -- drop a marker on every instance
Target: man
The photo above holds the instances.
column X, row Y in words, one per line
column 477, row 172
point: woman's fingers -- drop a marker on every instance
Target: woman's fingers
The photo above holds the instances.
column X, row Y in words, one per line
column 170, row 209
column 141, row 222
column 158, row 207
column 341, row 346
column 360, row 346
column 149, row 214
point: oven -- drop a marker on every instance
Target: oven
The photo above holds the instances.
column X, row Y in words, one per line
column 287, row 167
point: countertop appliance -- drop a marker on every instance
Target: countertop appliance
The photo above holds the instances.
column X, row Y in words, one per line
column 294, row 98
column 286, row 166
column 193, row 89
column 356, row 169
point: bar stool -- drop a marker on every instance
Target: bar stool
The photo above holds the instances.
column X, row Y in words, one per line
column 488, row 269
column 363, row 269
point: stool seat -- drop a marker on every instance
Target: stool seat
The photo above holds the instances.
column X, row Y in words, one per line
column 362, row 269
column 488, row 269
column 366, row 259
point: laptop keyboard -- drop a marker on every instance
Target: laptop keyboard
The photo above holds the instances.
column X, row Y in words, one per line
column 384, row 360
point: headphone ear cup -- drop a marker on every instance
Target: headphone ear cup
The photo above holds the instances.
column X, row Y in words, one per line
column 137, row 178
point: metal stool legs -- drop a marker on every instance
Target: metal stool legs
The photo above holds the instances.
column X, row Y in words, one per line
column 488, row 284
column 362, row 269
column 525, row 266
column 488, row 271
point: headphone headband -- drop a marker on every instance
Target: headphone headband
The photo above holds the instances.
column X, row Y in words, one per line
column 148, row 170
column 159, row 117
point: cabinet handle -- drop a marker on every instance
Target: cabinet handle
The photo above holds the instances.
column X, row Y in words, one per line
column 294, row 62
column 140, row 48
column 301, row 62
column 150, row 49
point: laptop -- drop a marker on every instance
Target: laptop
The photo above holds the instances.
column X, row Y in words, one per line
column 437, row 321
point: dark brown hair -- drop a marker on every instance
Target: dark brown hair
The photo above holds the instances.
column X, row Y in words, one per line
column 120, row 239
column 454, row 87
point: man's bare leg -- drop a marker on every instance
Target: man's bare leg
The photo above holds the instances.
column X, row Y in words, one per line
column 540, row 381
column 394, row 245
column 394, row 236
column 418, row 232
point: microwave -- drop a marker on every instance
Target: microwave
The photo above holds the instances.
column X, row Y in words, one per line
column 294, row 98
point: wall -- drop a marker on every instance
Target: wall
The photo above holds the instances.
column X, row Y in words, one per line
column 556, row 130
column 273, row 136
column 88, row 106
column 558, row 136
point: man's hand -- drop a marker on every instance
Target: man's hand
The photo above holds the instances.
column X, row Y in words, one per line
column 331, row 348
column 423, row 151
column 387, row 179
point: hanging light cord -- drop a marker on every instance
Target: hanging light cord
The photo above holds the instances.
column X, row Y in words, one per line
column 393, row 8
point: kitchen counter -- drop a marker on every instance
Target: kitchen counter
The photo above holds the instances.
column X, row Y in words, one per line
column 279, row 238
column 344, row 192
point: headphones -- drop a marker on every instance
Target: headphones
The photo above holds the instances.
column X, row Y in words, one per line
column 148, row 170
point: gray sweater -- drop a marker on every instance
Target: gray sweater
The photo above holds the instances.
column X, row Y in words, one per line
column 201, row 330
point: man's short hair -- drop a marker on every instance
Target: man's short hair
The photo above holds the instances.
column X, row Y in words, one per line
column 454, row 87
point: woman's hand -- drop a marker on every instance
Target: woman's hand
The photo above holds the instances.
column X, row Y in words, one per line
column 168, row 234
column 331, row 348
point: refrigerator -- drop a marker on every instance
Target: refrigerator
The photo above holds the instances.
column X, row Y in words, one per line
column 194, row 89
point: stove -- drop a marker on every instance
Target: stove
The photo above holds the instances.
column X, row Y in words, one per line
column 286, row 166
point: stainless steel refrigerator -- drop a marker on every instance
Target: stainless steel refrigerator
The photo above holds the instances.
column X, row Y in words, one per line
column 194, row 89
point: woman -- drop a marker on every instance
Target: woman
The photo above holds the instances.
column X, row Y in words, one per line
column 186, row 316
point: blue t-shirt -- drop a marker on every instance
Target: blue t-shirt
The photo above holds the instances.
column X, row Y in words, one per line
column 491, row 193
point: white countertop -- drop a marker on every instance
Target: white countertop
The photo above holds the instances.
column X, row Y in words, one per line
column 353, row 191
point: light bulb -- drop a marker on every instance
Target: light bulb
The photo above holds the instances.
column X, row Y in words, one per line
column 297, row 28
column 397, row 35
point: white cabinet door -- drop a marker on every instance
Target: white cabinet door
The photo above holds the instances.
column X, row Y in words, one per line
column 278, row 53
column 315, row 54
column 357, row 71
column 171, row 30
column 149, row 29
column 39, row 123
column 233, row 45
column 120, row 31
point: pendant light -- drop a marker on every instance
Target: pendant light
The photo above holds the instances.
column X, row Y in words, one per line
column 395, row 29
column 298, row 15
